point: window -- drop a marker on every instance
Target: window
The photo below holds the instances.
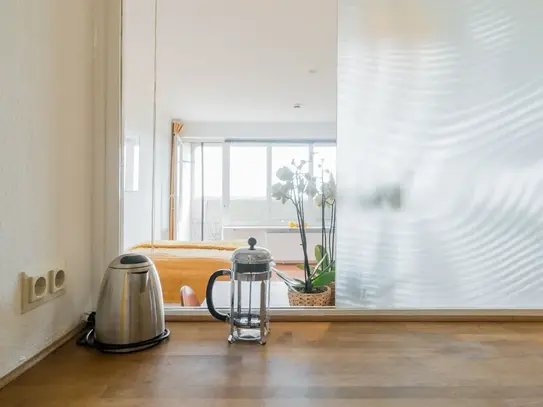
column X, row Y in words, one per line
column 283, row 155
column 248, row 172
column 248, row 203
column 183, row 191
column 326, row 156
column 211, row 168
column 206, row 210
column 237, row 192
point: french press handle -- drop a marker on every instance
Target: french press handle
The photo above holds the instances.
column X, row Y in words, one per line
column 209, row 294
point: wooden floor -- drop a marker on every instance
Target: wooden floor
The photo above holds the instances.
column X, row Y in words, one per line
column 303, row 364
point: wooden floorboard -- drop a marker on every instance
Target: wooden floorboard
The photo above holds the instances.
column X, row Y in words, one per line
column 303, row 364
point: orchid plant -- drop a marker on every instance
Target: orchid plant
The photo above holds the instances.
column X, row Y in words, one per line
column 294, row 185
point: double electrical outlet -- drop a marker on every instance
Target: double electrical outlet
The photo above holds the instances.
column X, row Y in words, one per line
column 37, row 290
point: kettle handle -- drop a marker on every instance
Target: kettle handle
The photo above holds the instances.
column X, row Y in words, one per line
column 209, row 294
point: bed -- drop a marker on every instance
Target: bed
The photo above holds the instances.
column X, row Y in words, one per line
column 191, row 264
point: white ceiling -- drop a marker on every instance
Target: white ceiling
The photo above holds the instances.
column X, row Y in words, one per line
column 248, row 60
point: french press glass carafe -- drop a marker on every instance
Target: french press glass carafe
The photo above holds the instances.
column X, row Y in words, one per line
column 250, row 275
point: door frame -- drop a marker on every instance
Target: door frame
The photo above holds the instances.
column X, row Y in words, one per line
column 108, row 139
column 108, row 196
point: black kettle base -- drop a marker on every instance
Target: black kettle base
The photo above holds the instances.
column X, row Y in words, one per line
column 88, row 339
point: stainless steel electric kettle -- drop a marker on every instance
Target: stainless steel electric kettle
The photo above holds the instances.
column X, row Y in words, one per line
column 130, row 311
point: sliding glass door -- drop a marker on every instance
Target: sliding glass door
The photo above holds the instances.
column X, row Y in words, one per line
column 440, row 139
column 439, row 198
column 207, row 178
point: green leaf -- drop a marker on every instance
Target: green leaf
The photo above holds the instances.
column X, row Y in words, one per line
column 291, row 282
column 322, row 257
column 319, row 251
column 322, row 266
column 324, row 278
column 301, row 267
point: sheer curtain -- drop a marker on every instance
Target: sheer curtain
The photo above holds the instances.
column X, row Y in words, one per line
column 440, row 154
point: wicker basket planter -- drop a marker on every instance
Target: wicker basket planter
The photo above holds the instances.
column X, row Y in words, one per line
column 332, row 286
column 318, row 299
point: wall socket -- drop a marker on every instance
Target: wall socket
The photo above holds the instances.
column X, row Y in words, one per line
column 38, row 290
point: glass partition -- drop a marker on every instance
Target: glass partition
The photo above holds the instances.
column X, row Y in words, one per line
column 440, row 139
column 216, row 112
column 439, row 176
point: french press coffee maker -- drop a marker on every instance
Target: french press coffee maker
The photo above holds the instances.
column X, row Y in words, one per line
column 250, row 275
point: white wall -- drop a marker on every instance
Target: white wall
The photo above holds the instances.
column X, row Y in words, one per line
column 138, row 78
column 46, row 143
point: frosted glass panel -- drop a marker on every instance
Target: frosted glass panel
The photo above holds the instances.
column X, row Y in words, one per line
column 440, row 154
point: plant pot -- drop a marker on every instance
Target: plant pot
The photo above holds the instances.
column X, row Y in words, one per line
column 332, row 286
column 317, row 299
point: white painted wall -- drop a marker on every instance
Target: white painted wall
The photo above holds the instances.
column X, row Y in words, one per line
column 138, row 122
column 46, row 144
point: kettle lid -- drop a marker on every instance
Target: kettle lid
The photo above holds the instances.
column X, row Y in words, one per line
column 252, row 254
column 130, row 260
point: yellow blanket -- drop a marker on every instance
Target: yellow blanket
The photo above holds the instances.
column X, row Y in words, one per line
column 174, row 244
column 181, row 263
